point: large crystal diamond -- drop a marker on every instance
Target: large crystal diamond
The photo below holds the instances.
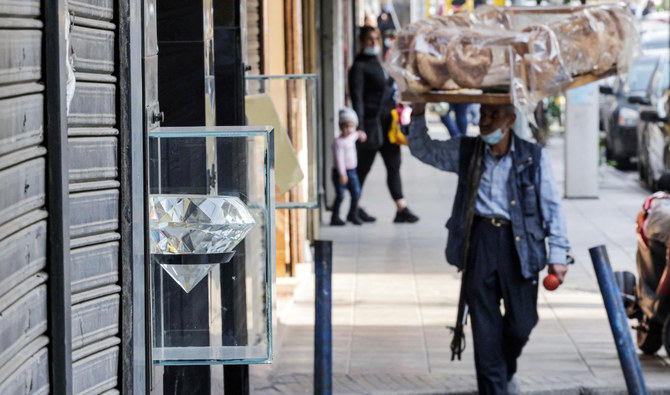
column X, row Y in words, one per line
column 183, row 224
column 187, row 276
column 197, row 224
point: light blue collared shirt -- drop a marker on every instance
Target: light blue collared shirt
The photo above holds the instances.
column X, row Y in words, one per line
column 492, row 199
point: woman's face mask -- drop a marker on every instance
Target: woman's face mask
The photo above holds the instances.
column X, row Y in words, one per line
column 372, row 50
column 388, row 42
column 494, row 137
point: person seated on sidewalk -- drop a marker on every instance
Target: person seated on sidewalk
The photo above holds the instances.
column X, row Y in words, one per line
column 344, row 173
column 506, row 190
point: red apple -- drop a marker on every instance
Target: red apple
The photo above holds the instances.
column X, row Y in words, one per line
column 551, row 282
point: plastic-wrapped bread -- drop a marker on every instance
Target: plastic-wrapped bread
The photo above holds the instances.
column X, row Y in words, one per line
column 490, row 17
column 430, row 55
column 579, row 43
column 592, row 39
column 468, row 61
column 540, row 58
column 485, row 50
column 611, row 37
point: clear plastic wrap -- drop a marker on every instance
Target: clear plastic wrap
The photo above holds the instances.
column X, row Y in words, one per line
column 524, row 52
column 593, row 39
column 486, row 58
column 490, row 17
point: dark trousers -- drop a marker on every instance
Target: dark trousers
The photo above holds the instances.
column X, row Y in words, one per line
column 354, row 188
column 494, row 273
column 391, row 156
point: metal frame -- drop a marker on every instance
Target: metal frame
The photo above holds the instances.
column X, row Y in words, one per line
column 317, row 137
column 236, row 371
column 58, row 199
column 134, row 368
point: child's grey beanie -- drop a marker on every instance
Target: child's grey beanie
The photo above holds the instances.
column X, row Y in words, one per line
column 348, row 115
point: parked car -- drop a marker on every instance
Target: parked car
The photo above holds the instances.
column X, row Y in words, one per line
column 654, row 36
column 620, row 126
column 656, row 40
column 653, row 130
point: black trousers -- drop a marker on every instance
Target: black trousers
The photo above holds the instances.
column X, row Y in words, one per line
column 494, row 273
column 391, row 156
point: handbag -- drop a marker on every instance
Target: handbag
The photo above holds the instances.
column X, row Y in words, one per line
column 395, row 135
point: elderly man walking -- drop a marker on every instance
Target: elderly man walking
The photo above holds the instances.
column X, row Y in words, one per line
column 507, row 193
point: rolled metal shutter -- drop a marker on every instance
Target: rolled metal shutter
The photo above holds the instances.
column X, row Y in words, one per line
column 23, row 289
column 94, row 198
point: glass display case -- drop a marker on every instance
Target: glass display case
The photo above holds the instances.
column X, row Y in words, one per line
column 289, row 103
column 211, row 241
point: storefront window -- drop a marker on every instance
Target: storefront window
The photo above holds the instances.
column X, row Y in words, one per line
column 211, row 239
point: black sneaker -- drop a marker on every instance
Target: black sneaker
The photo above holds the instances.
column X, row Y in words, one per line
column 336, row 221
column 354, row 219
column 405, row 215
column 365, row 217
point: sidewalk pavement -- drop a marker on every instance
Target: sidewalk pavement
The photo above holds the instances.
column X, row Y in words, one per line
column 394, row 295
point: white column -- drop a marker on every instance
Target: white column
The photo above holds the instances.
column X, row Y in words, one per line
column 581, row 142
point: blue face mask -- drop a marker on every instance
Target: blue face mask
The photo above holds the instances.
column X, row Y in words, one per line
column 388, row 42
column 493, row 138
column 373, row 51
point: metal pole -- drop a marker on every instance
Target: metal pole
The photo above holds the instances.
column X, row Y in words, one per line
column 323, row 339
column 630, row 364
column 58, row 198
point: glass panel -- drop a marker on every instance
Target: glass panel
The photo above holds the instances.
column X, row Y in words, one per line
column 211, row 225
column 294, row 109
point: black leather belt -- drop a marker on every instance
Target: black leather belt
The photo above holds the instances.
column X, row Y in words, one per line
column 495, row 221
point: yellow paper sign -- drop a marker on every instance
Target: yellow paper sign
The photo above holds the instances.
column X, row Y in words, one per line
column 261, row 111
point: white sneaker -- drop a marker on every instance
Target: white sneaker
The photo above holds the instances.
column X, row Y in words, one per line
column 512, row 386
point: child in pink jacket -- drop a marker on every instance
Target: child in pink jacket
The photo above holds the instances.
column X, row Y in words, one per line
column 346, row 161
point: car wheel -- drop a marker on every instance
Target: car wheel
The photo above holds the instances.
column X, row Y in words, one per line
column 623, row 163
column 649, row 339
column 666, row 335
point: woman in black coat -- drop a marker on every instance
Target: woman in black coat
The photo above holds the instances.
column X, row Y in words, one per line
column 372, row 96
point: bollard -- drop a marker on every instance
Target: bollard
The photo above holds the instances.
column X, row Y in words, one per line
column 630, row 364
column 323, row 332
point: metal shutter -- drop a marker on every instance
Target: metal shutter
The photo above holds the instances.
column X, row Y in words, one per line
column 94, row 198
column 23, row 289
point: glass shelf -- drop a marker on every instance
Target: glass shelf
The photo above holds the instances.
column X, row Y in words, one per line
column 211, row 225
column 290, row 104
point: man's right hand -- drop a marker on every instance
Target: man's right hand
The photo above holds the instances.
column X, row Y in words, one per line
column 344, row 179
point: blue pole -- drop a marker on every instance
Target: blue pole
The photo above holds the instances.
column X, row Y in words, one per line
column 323, row 333
column 625, row 347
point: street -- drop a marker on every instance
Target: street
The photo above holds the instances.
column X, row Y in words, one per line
column 394, row 295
